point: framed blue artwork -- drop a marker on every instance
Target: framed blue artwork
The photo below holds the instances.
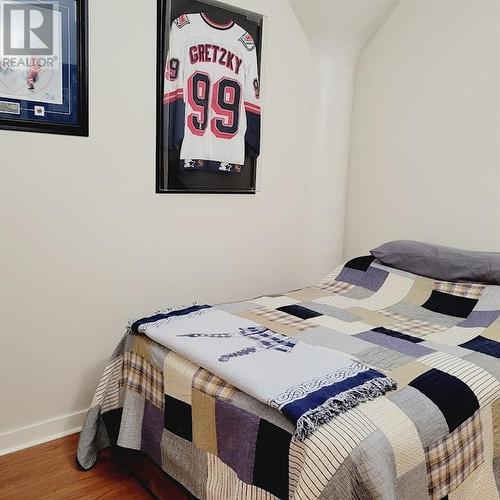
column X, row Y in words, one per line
column 43, row 66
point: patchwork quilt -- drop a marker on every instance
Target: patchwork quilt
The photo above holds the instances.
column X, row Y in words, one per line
column 309, row 384
column 437, row 436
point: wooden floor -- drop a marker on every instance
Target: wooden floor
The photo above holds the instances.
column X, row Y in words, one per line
column 49, row 471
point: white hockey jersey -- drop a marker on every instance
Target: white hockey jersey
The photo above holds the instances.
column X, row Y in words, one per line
column 212, row 91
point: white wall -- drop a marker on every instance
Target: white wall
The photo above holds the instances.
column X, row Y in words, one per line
column 424, row 156
column 337, row 30
column 86, row 245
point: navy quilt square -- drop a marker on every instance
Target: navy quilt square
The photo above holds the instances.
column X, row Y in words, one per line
column 484, row 345
column 299, row 311
column 360, row 263
column 398, row 335
column 453, row 397
column 112, row 420
column 178, row 418
column 451, row 305
column 270, row 470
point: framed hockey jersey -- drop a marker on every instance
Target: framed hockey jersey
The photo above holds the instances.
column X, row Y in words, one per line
column 209, row 98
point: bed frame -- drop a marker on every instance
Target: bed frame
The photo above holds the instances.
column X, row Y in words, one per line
column 157, row 482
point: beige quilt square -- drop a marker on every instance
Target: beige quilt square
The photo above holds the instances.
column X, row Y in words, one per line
column 204, row 427
column 420, row 291
column 275, row 326
column 372, row 318
column 404, row 374
column 495, row 411
column 455, row 335
column 224, row 483
column 492, row 332
column 274, row 302
column 141, row 345
column 349, row 328
column 178, row 375
column 307, row 294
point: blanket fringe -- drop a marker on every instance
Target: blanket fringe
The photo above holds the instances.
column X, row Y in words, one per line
column 340, row 403
column 166, row 311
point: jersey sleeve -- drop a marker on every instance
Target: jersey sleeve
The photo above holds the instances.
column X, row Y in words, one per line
column 251, row 101
column 173, row 96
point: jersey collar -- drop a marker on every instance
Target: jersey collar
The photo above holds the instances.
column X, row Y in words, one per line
column 217, row 26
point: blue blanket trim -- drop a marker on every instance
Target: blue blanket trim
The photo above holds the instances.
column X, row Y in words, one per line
column 295, row 409
column 340, row 403
column 158, row 316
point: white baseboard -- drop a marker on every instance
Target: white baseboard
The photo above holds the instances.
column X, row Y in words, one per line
column 41, row 432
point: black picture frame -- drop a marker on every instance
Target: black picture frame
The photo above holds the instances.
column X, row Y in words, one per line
column 81, row 127
column 166, row 161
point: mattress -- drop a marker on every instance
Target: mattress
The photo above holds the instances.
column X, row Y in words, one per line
column 436, row 436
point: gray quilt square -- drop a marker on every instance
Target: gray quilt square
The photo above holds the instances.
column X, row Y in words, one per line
column 427, row 417
column 383, row 358
column 326, row 337
column 367, row 473
column 237, row 307
column 413, row 484
column 457, row 351
column 374, row 459
column 372, row 279
column 185, row 463
column 413, row 349
column 421, row 314
column 357, row 292
column 376, row 263
column 130, row 435
column 488, row 363
column 335, row 312
column 157, row 357
column 261, row 410
column 480, row 319
column 489, row 300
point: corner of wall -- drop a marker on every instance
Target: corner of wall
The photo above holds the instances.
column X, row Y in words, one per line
column 336, row 30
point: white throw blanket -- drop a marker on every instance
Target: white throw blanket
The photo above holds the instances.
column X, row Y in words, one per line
column 309, row 384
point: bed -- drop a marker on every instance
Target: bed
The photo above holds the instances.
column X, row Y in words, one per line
column 436, row 436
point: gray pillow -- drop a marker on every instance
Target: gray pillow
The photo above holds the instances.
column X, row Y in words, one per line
column 439, row 262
